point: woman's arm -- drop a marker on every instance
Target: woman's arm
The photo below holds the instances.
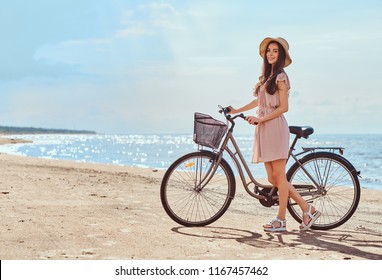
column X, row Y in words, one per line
column 283, row 108
column 249, row 106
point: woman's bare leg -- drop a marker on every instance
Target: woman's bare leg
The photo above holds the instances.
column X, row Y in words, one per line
column 277, row 177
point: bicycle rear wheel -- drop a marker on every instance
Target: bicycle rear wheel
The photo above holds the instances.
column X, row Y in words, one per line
column 196, row 192
column 331, row 183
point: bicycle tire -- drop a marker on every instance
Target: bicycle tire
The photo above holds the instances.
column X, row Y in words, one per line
column 181, row 194
column 341, row 189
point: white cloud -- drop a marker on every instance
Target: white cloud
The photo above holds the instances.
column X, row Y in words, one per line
column 163, row 15
column 136, row 30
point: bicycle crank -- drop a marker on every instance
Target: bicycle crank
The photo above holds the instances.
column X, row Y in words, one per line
column 269, row 201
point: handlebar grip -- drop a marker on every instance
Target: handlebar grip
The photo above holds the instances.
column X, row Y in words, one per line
column 246, row 119
column 224, row 110
column 227, row 110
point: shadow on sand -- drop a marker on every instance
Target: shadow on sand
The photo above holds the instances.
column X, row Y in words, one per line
column 351, row 243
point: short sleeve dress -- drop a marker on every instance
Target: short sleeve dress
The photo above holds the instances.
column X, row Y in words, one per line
column 271, row 137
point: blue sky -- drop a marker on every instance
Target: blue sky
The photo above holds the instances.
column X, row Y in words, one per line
column 147, row 66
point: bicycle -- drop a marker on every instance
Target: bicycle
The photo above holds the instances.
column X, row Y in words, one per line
column 197, row 189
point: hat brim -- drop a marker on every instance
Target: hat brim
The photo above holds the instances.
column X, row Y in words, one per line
column 282, row 42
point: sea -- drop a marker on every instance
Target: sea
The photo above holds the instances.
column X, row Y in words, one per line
column 158, row 151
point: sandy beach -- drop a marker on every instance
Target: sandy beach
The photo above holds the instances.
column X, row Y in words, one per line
column 63, row 210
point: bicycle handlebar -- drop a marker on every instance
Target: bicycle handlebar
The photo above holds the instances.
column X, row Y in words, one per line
column 226, row 111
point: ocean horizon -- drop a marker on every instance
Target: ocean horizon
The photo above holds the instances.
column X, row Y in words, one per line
column 158, row 151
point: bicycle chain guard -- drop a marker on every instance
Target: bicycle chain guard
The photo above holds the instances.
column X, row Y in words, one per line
column 268, row 201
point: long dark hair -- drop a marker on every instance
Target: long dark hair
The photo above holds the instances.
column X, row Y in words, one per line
column 271, row 85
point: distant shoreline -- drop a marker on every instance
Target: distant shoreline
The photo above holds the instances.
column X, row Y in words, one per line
column 12, row 130
column 4, row 140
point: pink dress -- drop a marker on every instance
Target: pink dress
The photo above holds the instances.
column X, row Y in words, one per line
column 271, row 137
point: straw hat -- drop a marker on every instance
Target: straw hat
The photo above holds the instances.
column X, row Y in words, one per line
column 282, row 41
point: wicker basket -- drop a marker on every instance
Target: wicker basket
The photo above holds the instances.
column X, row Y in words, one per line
column 208, row 131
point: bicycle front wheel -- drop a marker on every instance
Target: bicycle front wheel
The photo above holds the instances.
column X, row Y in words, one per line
column 328, row 181
column 196, row 191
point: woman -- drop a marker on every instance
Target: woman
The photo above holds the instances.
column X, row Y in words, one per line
column 271, row 144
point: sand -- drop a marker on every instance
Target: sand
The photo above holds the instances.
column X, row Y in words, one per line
column 65, row 210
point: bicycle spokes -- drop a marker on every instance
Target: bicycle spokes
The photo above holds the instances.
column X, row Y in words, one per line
column 196, row 191
column 328, row 181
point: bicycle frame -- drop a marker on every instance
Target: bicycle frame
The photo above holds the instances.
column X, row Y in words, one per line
column 241, row 164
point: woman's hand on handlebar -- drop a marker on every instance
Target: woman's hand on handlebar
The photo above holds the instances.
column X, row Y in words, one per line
column 252, row 120
column 232, row 110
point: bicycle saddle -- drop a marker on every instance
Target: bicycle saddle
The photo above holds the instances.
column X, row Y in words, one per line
column 301, row 131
